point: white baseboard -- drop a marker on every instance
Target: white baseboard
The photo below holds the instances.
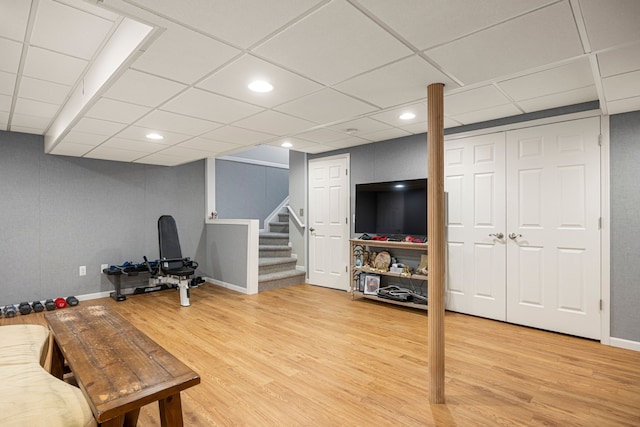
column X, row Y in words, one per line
column 96, row 295
column 622, row 343
column 226, row 285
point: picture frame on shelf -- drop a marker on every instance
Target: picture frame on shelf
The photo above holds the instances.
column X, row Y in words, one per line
column 372, row 284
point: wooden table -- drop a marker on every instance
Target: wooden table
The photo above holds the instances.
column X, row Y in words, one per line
column 118, row 368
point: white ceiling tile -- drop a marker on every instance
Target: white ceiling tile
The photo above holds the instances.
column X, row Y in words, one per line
column 27, row 121
column 237, row 135
column 622, row 86
column 54, row 67
column 98, row 127
column 132, row 145
column 27, row 129
column 7, row 83
column 143, row 89
column 559, row 99
column 160, row 159
column 275, row 123
column 382, row 135
column 361, row 126
column 4, row 120
column 13, row 19
column 351, row 141
column 114, row 154
column 41, row 90
column 473, row 99
column 116, row 111
column 619, row 61
column 164, row 120
column 209, row 106
column 624, row 105
column 67, row 30
column 612, row 22
column 139, row 134
column 513, row 46
column 84, row 138
column 392, row 117
column 419, row 127
column 321, row 136
column 94, row 9
column 10, row 52
column 185, row 154
column 326, row 106
column 221, row 18
column 184, row 55
column 208, row 145
column 567, row 77
column 233, row 80
column 488, row 114
column 333, row 43
column 5, row 103
column 398, row 83
column 35, row 108
column 430, row 23
column 70, row 149
column 296, row 143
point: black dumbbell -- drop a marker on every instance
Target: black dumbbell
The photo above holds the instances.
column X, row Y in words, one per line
column 37, row 306
column 24, row 308
column 50, row 305
column 9, row 311
column 72, row 301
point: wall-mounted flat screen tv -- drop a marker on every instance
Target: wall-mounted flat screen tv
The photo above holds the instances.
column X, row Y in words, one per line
column 392, row 208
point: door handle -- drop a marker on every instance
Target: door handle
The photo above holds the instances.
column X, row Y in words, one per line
column 514, row 236
column 497, row 235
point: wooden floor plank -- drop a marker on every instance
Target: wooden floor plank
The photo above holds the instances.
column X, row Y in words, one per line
column 306, row 355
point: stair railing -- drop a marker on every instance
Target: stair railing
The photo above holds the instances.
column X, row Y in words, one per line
column 295, row 217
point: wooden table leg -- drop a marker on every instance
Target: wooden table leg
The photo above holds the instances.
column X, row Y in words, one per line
column 113, row 422
column 171, row 411
column 131, row 418
column 57, row 361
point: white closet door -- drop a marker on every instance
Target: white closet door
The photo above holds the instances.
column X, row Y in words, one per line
column 553, row 243
column 474, row 182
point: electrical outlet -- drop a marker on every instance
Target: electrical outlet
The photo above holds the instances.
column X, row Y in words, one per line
column 82, row 271
column 103, row 267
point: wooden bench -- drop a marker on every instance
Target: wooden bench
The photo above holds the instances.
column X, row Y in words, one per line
column 29, row 395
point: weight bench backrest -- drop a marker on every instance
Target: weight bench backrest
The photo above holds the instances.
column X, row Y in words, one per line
column 168, row 239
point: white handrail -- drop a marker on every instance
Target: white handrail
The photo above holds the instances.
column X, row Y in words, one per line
column 295, row 217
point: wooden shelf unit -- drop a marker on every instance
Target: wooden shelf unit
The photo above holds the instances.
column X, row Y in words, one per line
column 381, row 245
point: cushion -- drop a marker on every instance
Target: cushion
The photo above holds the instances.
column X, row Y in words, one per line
column 23, row 344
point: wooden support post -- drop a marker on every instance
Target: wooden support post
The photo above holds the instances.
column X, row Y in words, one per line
column 435, row 230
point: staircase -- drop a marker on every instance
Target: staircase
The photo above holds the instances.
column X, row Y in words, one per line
column 276, row 267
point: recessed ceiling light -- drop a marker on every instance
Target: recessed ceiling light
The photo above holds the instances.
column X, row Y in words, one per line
column 407, row 116
column 286, row 145
column 154, row 135
column 260, row 86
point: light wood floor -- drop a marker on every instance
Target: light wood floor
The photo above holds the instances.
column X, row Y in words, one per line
column 309, row 356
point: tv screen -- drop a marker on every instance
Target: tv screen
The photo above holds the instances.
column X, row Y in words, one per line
column 392, row 208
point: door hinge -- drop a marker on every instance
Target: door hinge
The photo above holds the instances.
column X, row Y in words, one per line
column 600, row 223
column 346, row 220
column 600, row 305
column 600, row 140
column 346, row 270
column 346, row 172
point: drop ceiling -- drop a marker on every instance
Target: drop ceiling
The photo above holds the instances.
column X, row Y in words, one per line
column 343, row 71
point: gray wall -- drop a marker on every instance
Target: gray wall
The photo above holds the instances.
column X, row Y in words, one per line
column 226, row 258
column 58, row 213
column 406, row 158
column 297, row 201
column 249, row 191
column 625, row 231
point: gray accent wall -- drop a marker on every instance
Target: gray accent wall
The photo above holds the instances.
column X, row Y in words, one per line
column 226, row 259
column 625, row 225
column 298, row 201
column 58, row 213
column 249, row 191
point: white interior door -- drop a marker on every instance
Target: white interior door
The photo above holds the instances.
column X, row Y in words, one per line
column 328, row 222
column 474, row 182
column 553, row 212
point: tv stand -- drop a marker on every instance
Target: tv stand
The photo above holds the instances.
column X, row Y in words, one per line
column 410, row 251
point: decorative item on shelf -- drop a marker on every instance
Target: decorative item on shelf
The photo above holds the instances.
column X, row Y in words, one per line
column 407, row 271
column 422, row 268
column 372, row 284
column 382, row 261
column 358, row 256
column 361, row 283
column 372, row 258
column 365, row 258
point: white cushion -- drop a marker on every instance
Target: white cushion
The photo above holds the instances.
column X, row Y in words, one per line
column 22, row 343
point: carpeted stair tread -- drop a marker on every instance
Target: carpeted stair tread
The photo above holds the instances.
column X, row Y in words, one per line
column 274, row 235
column 274, row 261
column 280, row 275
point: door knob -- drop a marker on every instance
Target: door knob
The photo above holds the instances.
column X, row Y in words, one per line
column 311, row 230
column 497, row 235
column 514, row 236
